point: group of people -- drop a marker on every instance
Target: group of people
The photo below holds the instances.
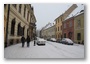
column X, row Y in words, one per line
column 28, row 41
column 23, row 41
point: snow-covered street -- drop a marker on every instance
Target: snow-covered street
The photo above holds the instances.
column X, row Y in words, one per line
column 50, row 50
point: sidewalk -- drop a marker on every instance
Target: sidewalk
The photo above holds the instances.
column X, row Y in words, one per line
column 16, row 51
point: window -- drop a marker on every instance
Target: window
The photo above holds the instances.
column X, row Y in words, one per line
column 58, row 28
column 13, row 26
column 78, row 23
column 19, row 33
column 23, row 30
column 61, row 27
column 14, row 5
column 61, row 18
column 64, row 35
column 78, row 36
column 64, row 25
column 18, row 29
column 58, row 35
column 70, row 24
column 20, row 8
column 58, row 20
column 61, row 36
column 24, row 10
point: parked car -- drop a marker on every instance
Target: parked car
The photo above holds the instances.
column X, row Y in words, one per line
column 48, row 39
column 67, row 41
column 53, row 39
column 59, row 40
column 41, row 41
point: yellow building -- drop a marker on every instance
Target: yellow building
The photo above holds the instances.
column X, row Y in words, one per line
column 79, row 28
column 58, row 26
column 20, row 18
column 61, row 18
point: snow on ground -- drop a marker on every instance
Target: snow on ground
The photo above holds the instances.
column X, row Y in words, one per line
column 50, row 50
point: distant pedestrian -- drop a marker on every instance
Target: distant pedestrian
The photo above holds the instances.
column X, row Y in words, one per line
column 23, row 41
column 28, row 41
column 34, row 41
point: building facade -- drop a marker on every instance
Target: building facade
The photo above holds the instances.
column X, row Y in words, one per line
column 32, row 24
column 19, row 22
column 68, row 28
column 79, row 28
column 5, row 21
column 61, row 18
column 58, row 26
column 48, row 32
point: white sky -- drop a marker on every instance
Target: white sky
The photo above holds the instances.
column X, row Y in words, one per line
column 48, row 12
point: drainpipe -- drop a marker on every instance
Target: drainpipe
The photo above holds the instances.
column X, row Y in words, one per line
column 7, row 25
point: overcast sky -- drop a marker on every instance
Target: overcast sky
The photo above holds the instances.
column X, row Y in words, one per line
column 46, row 13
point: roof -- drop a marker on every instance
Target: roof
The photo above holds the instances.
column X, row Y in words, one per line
column 59, row 17
column 50, row 25
column 77, row 11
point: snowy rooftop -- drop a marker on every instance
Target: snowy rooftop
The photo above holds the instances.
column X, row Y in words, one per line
column 49, row 25
column 77, row 11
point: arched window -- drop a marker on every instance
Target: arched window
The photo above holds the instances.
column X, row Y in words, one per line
column 20, row 8
column 18, row 32
column 13, row 26
column 14, row 5
column 23, row 30
column 24, row 10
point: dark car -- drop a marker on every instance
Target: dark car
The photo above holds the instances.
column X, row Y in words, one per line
column 67, row 41
column 48, row 39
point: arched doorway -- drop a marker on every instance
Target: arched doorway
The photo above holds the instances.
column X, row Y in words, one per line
column 23, row 30
column 12, row 31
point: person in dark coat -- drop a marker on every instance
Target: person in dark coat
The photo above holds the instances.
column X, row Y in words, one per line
column 23, row 41
column 28, row 41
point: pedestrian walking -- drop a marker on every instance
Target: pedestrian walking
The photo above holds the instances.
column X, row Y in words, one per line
column 23, row 41
column 28, row 41
column 34, row 41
